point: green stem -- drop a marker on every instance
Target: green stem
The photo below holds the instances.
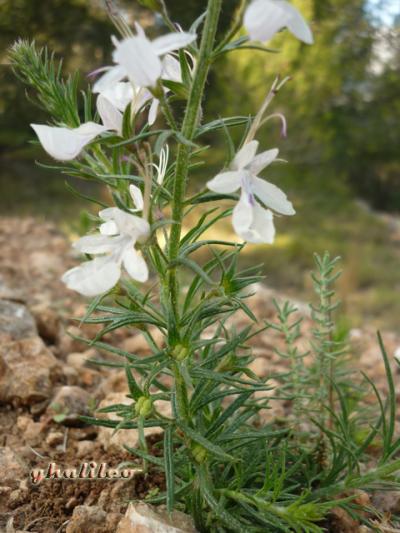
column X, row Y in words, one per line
column 188, row 129
column 189, row 125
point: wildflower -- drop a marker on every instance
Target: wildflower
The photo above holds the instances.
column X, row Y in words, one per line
column 115, row 246
column 264, row 18
column 139, row 58
column 250, row 220
column 65, row 144
column 121, row 93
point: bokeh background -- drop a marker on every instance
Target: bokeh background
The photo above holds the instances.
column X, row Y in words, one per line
column 343, row 144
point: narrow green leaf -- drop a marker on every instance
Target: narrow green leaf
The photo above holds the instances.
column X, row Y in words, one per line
column 214, row 449
column 134, row 388
column 169, row 466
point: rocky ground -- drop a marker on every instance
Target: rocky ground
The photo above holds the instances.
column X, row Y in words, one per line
column 46, row 383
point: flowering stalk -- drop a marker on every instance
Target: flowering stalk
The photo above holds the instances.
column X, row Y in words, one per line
column 188, row 128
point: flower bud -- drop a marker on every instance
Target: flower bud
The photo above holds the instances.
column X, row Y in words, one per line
column 144, row 406
column 227, row 363
column 180, row 352
column 199, row 453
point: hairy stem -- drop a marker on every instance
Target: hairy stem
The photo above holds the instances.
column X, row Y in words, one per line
column 188, row 129
column 189, row 125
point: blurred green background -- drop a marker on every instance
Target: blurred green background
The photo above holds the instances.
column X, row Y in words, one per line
column 343, row 112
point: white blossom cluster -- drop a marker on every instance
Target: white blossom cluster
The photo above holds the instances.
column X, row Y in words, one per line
column 135, row 78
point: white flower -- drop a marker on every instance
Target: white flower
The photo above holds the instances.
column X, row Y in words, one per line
column 264, row 18
column 140, row 59
column 121, row 93
column 114, row 246
column 65, row 144
column 143, row 61
column 251, row 221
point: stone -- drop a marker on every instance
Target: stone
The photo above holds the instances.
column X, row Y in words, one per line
column 16, row 321
column 12, row 468
column 27, row 371
column 84, row 449
column 68, row 404
column 10, row 293
column 129, row 437
column 89, row 378
column 54, row 438
column 340, row 520
column 143, row 518
column 17, row 498
column 45, row 263
column 79, row 359
column 115, row 495
column 138, row 345
column 387, row 501
column 68, row 344
column 48, row 323
column 260, row 366
column 115, row 382
column 33, row 432
column 70, row 374
column 87, row 519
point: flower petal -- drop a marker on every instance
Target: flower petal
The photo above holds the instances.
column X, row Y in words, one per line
column 272, row 196
column 108, row 80
column 137, row 196
column 109, row 213
column 245, row 155
column 153, row 111
column 171, row 69
column 172, row 41
column 264, row 18
column 226, row 182
column 242, row 216
column 298, row 26
column 109, row 114
column 93, row 277
column 108, row 228
column 136, row 55
column 135, row 265
column 263, row 160
column 65, row 144
column 96, row 244
column 120, row 94
column 129, row 225
column 262, row 229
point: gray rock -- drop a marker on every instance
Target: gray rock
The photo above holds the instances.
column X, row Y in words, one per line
column 16, row 321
